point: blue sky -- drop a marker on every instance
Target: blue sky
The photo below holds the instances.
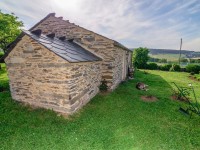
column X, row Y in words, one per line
column 134, row 23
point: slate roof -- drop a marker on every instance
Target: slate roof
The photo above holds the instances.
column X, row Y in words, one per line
column 70, row 51
column 53, row 15
column 67, row 49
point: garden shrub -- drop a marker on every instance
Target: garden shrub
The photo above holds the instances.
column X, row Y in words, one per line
column 193, row 68
column 183, row 70
column 175, row 67
column 103, row 87
column 165, row 67
column 152, row 66
column 192, row 73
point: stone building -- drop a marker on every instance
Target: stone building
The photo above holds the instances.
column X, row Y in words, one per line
column 59, row 65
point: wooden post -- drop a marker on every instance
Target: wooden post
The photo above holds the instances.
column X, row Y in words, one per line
column 180, row 52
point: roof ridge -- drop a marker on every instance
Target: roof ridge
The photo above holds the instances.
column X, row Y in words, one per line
column 49, row 15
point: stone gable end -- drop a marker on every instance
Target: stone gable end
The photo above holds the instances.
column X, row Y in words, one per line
column 41, row 78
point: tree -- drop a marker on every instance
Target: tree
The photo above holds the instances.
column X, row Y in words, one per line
column 140, row 57
column 9, row 29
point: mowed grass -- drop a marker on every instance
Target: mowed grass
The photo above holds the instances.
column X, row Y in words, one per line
column 119, row 120
column 197, row 76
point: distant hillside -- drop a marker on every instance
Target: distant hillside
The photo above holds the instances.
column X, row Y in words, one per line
column 187, row 53
column 169, row 51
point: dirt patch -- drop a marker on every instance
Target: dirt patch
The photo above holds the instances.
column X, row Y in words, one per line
column 149, row 98
column 193, row 78
column 174, row 97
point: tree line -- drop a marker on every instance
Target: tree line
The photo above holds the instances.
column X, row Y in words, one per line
column 9, row 29
column 141, row 58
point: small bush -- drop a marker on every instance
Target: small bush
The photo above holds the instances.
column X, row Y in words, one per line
column 165, row 67
column 193, row 68
column 103, row 87
column 192, row 73
column 175, row 67
column 152, row 66
column 183, row 70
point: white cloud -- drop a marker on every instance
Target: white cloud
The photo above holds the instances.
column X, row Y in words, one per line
column 155, row 24
column 193, row 43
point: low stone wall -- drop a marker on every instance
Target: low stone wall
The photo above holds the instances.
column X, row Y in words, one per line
column 41, row 78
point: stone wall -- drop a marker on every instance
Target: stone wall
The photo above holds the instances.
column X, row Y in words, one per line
column 84, row 84
column 41, row 78
column 101, row 46
column 121, row 57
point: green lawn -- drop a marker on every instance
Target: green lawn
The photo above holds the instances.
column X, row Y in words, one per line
column 119, row 120
column 197, row 76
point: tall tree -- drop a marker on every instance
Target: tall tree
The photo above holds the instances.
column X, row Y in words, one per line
column 9, row 29
column 140, row 57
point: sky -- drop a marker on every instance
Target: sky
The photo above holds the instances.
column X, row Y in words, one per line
column 134, row 23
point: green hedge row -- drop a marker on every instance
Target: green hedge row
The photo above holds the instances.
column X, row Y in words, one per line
column 174, row 67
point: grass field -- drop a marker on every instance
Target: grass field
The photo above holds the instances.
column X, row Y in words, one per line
column 197, row 76
column 119, row 120
column 169, row 57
